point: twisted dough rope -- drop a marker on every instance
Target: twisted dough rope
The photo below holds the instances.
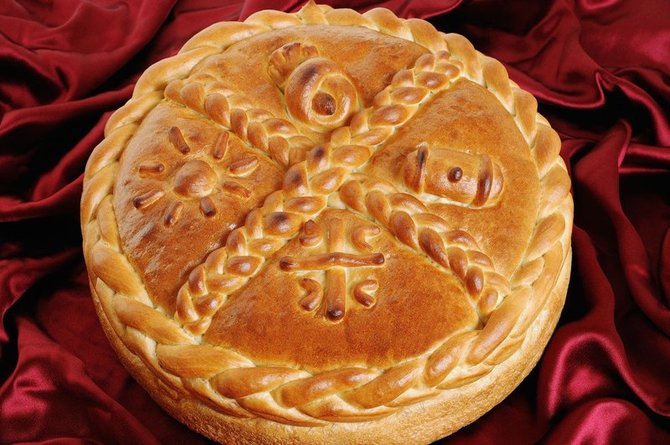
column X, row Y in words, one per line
column 278, row 137
column 232, row 383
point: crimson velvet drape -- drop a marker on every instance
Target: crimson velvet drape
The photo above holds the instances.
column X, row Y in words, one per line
column 601, row 72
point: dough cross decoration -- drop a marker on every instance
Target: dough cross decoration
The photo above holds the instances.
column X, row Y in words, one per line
column 334, row 263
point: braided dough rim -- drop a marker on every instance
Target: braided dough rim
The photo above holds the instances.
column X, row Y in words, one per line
column 113, row 279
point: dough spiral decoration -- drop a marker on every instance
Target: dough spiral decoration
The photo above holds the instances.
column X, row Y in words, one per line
column 319, row 94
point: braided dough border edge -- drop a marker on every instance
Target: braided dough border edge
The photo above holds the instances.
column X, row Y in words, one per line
column 115, row 280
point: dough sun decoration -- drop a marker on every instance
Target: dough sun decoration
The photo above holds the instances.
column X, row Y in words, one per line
column 195, row 179
column 327, row 227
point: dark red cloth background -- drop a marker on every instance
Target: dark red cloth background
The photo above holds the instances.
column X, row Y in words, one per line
column 601, row 71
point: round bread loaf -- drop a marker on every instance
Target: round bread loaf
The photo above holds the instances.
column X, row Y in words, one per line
column 327, row 227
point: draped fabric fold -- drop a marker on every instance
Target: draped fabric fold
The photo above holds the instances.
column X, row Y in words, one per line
column 601, row 73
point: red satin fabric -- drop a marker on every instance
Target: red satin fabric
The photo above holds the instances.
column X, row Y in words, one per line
column 601, row 72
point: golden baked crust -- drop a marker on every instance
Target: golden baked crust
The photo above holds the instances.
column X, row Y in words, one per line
column 327, row 226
